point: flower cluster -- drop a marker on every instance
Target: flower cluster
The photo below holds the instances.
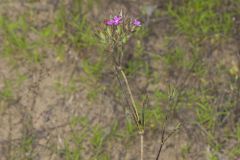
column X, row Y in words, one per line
column 116, row 20
column 119, row 29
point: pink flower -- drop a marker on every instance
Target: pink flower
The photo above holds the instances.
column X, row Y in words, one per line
column 109, row 22
column 114, row 22
column 136, row 23
column 117, row 20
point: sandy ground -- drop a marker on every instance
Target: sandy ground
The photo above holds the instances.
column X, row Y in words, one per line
column 38, row 109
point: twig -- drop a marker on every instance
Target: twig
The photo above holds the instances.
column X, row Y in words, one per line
column 164, row 139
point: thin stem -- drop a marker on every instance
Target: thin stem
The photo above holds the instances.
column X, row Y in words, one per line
column 142, row 140
column 131, row 96
column 162, row 139
column 125, row 96
column 131, row 103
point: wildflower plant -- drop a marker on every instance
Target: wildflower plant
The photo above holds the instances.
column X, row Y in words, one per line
column 115, row 34
column 118, row 30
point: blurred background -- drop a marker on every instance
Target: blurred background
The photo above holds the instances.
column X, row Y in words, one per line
column 60, row 99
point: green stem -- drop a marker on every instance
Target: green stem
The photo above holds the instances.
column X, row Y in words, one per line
column 131, row 97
